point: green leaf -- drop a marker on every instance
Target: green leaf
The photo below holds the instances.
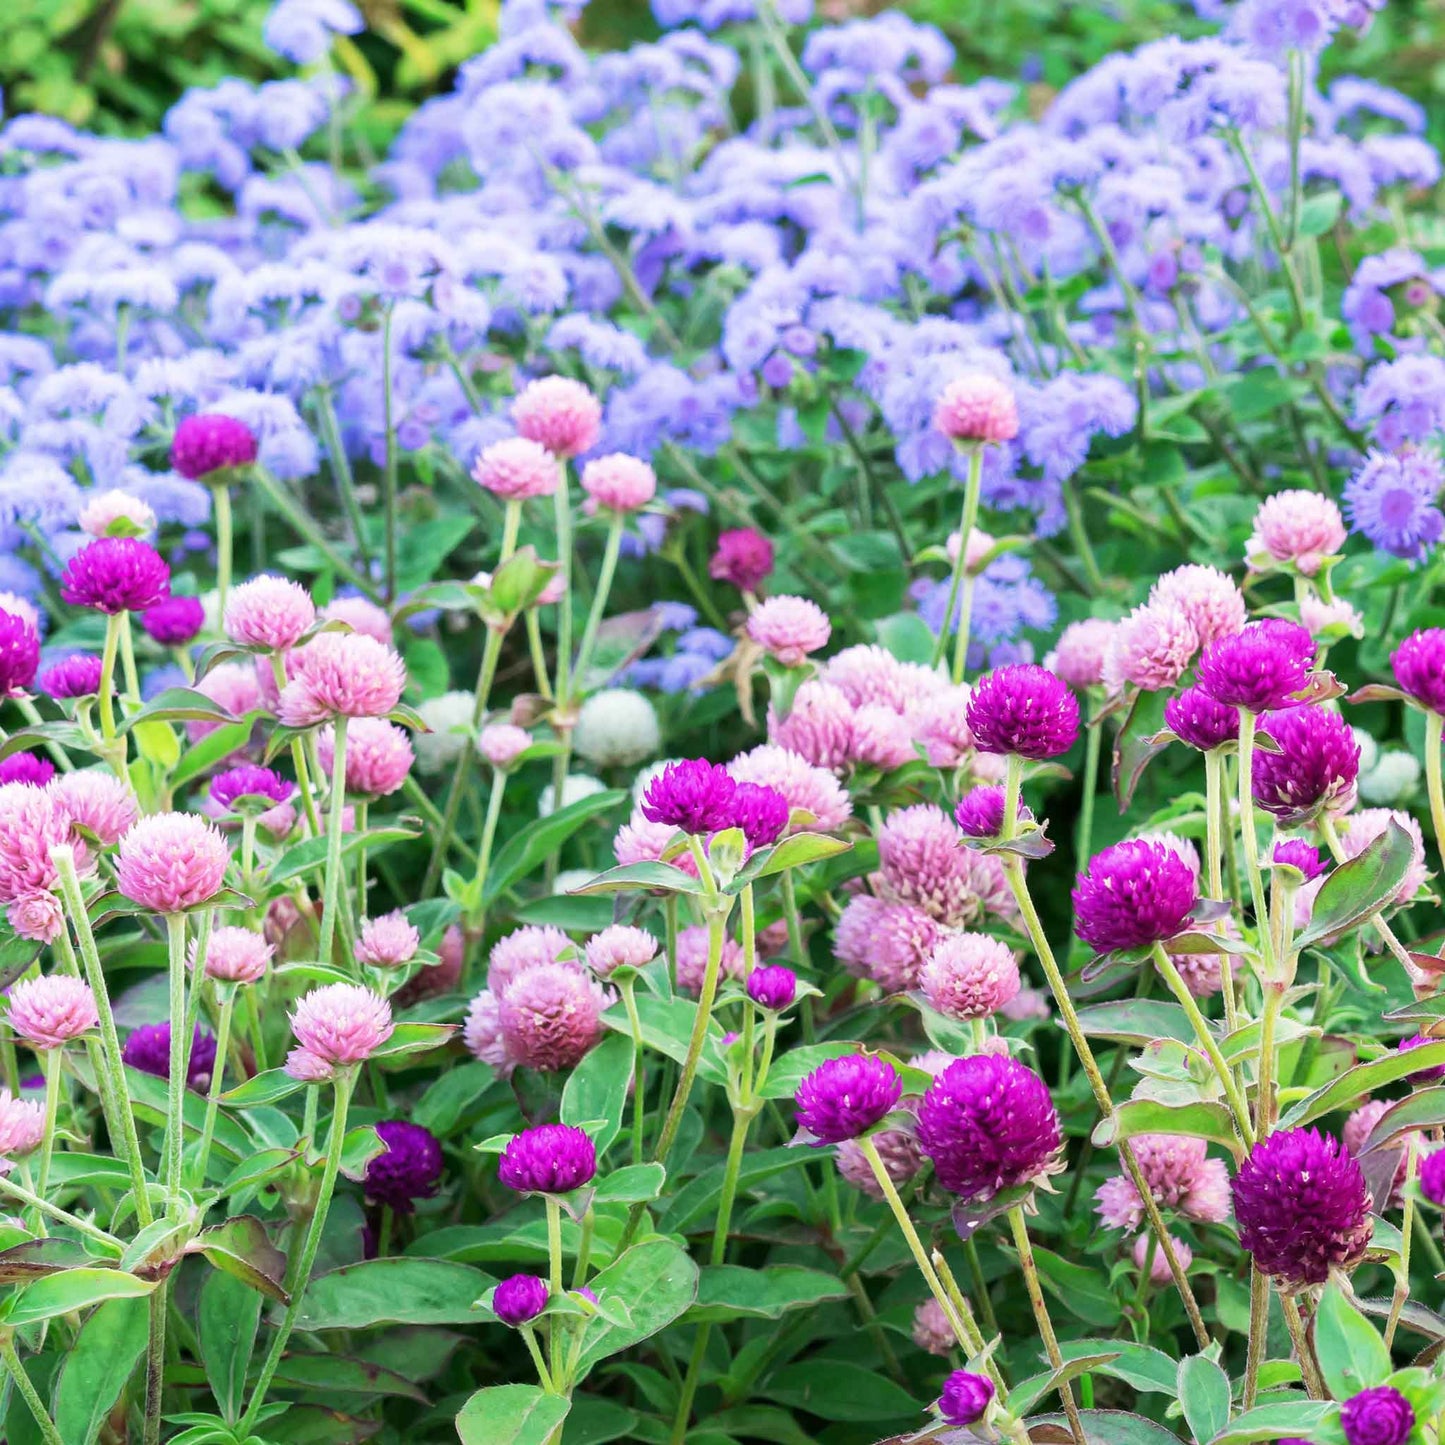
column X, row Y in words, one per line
column 792, row 852
column 1199, row 1120
column 1142, row 1367
column 241, row 1247
column 310, row 856
column 204, row 755
column 342, row 1375
column 787, row 1072
column 96, row 1368
column 75, row 1289
column 1137, row 1021
column 598, row 1088
column 267, row 1088
column 1356, row 1083
column 414, row 1039
column 595, row 1421
column 1107, row 1427
column 632, row 1184
column 658, row 1280
column 527, row 848
column 730, row 1292
column 229, row 1314
column 1274, row 1421
column 1079, row 1288
column 178, row 704
column 402, row 1291
column 1023, row 1396
column 697, row 1199
column 1351, row 1353
column 1319, row 213
column 1137, row 743
column 640, row 877
column 1204, row 1396
column 833, row 1390
column 1359, row 888
column 511, row 1415
column 907, row 636
column 449, row 1096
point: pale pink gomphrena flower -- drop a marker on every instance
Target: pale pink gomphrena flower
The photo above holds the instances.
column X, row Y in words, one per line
column 103, row 510
column 940, row 723
column 1159, row 1271
column 692, row 944
column 96, row 803
column 482, row 1032
column 618, row 946
column 169, row 862
column 1299, row 527
column 1151, row 648
column 640, row 840
column 39, row 916
column 1080, row 655
column 231, row 685
column 342, row 1023
column 977, row 408
column 980, row 544
column 886, row 941
column 789, row 628
column 818, row 727
column 868, row 673
column 525, row 948
column 379, row 755
column 931, row 1330
column 550, row 1016
column 1178, row 1173
column 344, row 674
column 899, row 1151
column 881, row 738
column 32, row 822
column 235, row 955
column 516, row 469
column 807, row 789
column 559, row 414
column 269, row 611
column 1209, row 598
column 307, row 1067
column 388, row 941
column 22, row 1124
column 48, row 1012
column 618, row 483
column 501, row 744
column 969, row 976
column 361, row 615
column 1318, row 615
column 922, row 863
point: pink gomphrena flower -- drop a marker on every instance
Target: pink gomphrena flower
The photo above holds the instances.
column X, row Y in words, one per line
column 37, row 916
column 22, row 1125
column 116, row 514
column 378, row 755
column 100, row 807
column 1338, row 618
column 886, row 941
column 501, row 744
column 1159, row 1271
column 271, row 612
column 922, row 863
column 387, row 942
column 235, row 955
column 76, row 676
column 620, row 946
column 516, row 469
column 941, row 724
column 901, row 1156
column 307, row 1067
column 32, row 823
column 19, row 653
column 692, row 959
column 48, row 1012
column 169, row 862
column 1298, row 528
column 980, row 544
column 342, row 674
column 115, row 574
column 1082, row 650
column 931, row 1330
column 789, row 628
column 229, row 685
column 361, row 615
column 744, row 557
column 819, row 726
column 1151, row 648
column 808, row 789
column 977, row 408
column 342, row 1023
column 550, row 1016
column 1209, row 598
column 969, row 976
column 210, row 443
column 881, row 738
column 618, row 483
column 525, row 948
column 559, row 414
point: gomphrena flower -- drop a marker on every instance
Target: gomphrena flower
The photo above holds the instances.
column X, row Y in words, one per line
column 342, row 1023
column 1419, row 667
column 988, row 1124
column 1198, row 721
column 977, row 408
column 559, row 414
column 515, row 469
column 619, row 946
column 408, row 1169
column 843, row 1098
column 1302, row 1206
column 28, row 768
column 32, row 822
column 966, row 1397
column 1082, row 648
column 619, row 483
column 49, row 1011
column 76, row 676
column 1297, row 527
column 761, row 812
column 773, row 986
column 387, row 942
column 979, row 813
column 969, row 976
column 1258, row 669
column 1159, row 1272
column 1151, row 648
column 116, row 574
column 616, row 727
column 744, row 557
column 249, row 788
column 549, row 1016
column 548, row 1159
column 501, row 744
column 694, row 795
column 898, row 1152
column 1024, row 709
column 931, row 1330
column 270, row 612
column 344, row 674
column 789, row 628
column 99, row 807
column 1179, row 1174
column 308, row 1068
column 808, row 789
column 361, row 615
column 174, row 621
column 39, row 916
column 1380, row 1415
column 116, row 513
column 22, row 1125
column 210, row 443
column 1432, row 1177
column 148, row 1048
column 379, row 756
column 169, row 862
column 1316, row 766
column 1302, row 855
column 1133, row 894
column 519, row 1299
column 19, row 653
column 1209, row 598
column 235, row 955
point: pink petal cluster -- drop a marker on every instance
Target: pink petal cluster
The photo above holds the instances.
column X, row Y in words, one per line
column 931, row 1330
column 620, row 946
column 1178, row 1173
column 344, row 674
column 501, row 744
column 807, row 788
column 886, row 941
column 868, row 673
column 98, row 805
column 1159, row 1271
column 1356, row 1134
column 692, row 959
column 361, row 615
column 516, row 469
column 922, row 862
column 1209, row 598
column 559, row 414
column 379, row 755
column 618, row 483
column 169, row 862
column 1151, row 648
column 104, row 510
column 977, row 408
column 22, row 1124
column 969, row 976
column 789, row 628
column 235, row 955
column 49, row 1011
column 387, row 942
column 901, row 1156
column 32, row 822
column 1082, row 650
column 271, row 612
column 1298, row 527
column 341, row 1023
column 230, row 685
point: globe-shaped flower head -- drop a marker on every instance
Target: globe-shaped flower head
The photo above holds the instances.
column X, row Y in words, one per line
column 977, row 408
column 388, row 941
column 19, row 653
column 76, row 676
column 548, row 1159
column 170, row 862
column 761, row 812
column 789, row 628
column 744, row 557
column 116, row 574
column 1315, row 768
column 341, row 1023
column 343, row 674
column 618, row 483
column 773, row 987
column 966, row 1397
column 1297, row 853
column 1023, row 709
column 1200, row 722
column 1378, row 1416
column 519, row 1299
column 49, row 1011
column 1258, row 669
column 559, row 414
column 515, row 469
column 26, row 768
column 694, row 795
column 969, row 976
column 270, row 612
column 407, row 1169
column 22, row 1125
column 1133, row 894
column 174, row 621
column 235, row 955
column 620, row 946
column 248, row 788
column 843, row 1098
column 979, row 813
column 1419, row 666
column 149, row 1049
column 1432, row 1177
column 210, row 443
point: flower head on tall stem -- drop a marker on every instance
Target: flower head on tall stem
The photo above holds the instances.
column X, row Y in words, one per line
column 1315, row 767
column 744, row 557
column 209, row 443
column 1299, row 528
column 516, row 469
column 1419, row 667
column 695, row 796
column 19, row 653
column 789, row 628
column 342, row 1023
column 32, row 822
column 548, row 1159
column 620, row 946
column 618, row 483
column 1200, row 722
column 100, row 807
column 342, row 674
column 379, row 756
column 22, row 1125
column 169, row 862
column 174, row 621
column 234, row 954
column 761, row 812
column 270, row 612
column 773, row 986
column 49, row 1011
column 501, row 744
column 969, row 976
column 519, row 1299
column 387, row 942
column 248, row 788
column 408, row 1169
column 1081, row 651
column 1258, row 669
column 1023, row 709
column 976, row 408
column 76, row 676
column 1132, row 895
column 114, row 575
column 148, row 1048
column 1209, row 598
column 560, row 414
column 966, row 1397
column 843, row 1098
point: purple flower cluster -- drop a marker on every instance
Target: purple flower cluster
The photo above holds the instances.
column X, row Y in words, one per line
column 1132, row 895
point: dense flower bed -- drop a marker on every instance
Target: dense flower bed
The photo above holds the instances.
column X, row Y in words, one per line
column 735, row 750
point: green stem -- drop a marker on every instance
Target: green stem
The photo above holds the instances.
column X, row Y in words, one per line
column 1299, row 1336
column 1434, row 727
column 388, row 475
column 639, row 1106
column 28, row 1392
column 213, row 1096
column 331, row 898
column 584, row 1249
column 960, row 600
column 1259, row 1296
column 50, row 1067
column 306, row 529
column 341, row 469
column 221, row 502
column 1249, row 835
column 599, row 598
column 180, row 1051
column 84, row 1226
column 1215, row 815
column 105, row 693
column 127, row 658
column 1041, row 1318
column 1402, row 1278
column 562, row 517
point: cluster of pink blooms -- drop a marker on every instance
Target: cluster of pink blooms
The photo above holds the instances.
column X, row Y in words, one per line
column 336, row 1026
column 1180, row 1176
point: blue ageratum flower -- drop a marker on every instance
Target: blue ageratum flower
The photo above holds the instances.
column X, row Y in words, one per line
column 1394, row 500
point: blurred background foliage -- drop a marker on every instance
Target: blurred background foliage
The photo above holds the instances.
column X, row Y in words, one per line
column 118, row 65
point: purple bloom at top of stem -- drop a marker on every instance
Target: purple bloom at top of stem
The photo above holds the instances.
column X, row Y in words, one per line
column 19, row 652
column 1302, row 855
column 966, row 1397
column 519, row 1299
column 979, row 813
column 1023, row 709
column 694, row 795
column 761, row 812
column 1258, row 669
column 76, row 676
column 1198, row 721
column 149, row 1049
column 1393, row 499
column 1419, row 667
column 1316, row 766
column 26, row 768
column 116, row 574
column 548, row 1159
column 250, row 782
column 773, row 986
column 1378, row 1416
column 173, row 621
column 843, row 1098
column 1133, row 894
column 211, row 443
column 1432, row 1177
column 407, row 1169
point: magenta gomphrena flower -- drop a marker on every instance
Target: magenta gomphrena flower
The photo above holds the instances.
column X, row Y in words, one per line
column 249, row 788
column 979, row 813
column 885, row 941
column 271, row 612
column 969, row 976
column 211, row 443
column 1302, row 855
column 345, row 674
column 789, row 628
column 379, row 755
column 408, row 1169
column 1419, row 667
column 559, row 414
column 99, row 806
column 1024, row 709
column 619, row 483
column 843, row 1098
column 1152, row 648
column 899, row 1154
column 931, row 1330
column 22, row 1125
column 1159, row 1271
column 1432, row 1177
column 308, row 1068
column 966, row 1398
column 773, row 986
column 923, row 864
column 116, row 574
column 1133, row 894
column 1179, row 1175
column 620, row 946
column 988, row 1124
column 342, row 1023
column 235, row 955
column 1209, row 598
column 519, row 1299
column 744, row 557
column 692, row 958
column 361, row 615
column 32, row 822
column 550, row 1016
column 977, row 408
column 1082, row 648
column 19, row 653
column 28, row 768
column 116, row 514
column 808, row 789
column 695, row 796
column 77, row 676
column 48, row 1012
column 1316, row 766
column 1301, row 528
column 1258, row 669
column 174, row 621
column 387, row 942
column 1302, row 1206
column 1199, row 722
column 761, row 812
column 1380, row 1415
column 548, row 1159
column 501, row 744
column 516, row 469
column 169, row 862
